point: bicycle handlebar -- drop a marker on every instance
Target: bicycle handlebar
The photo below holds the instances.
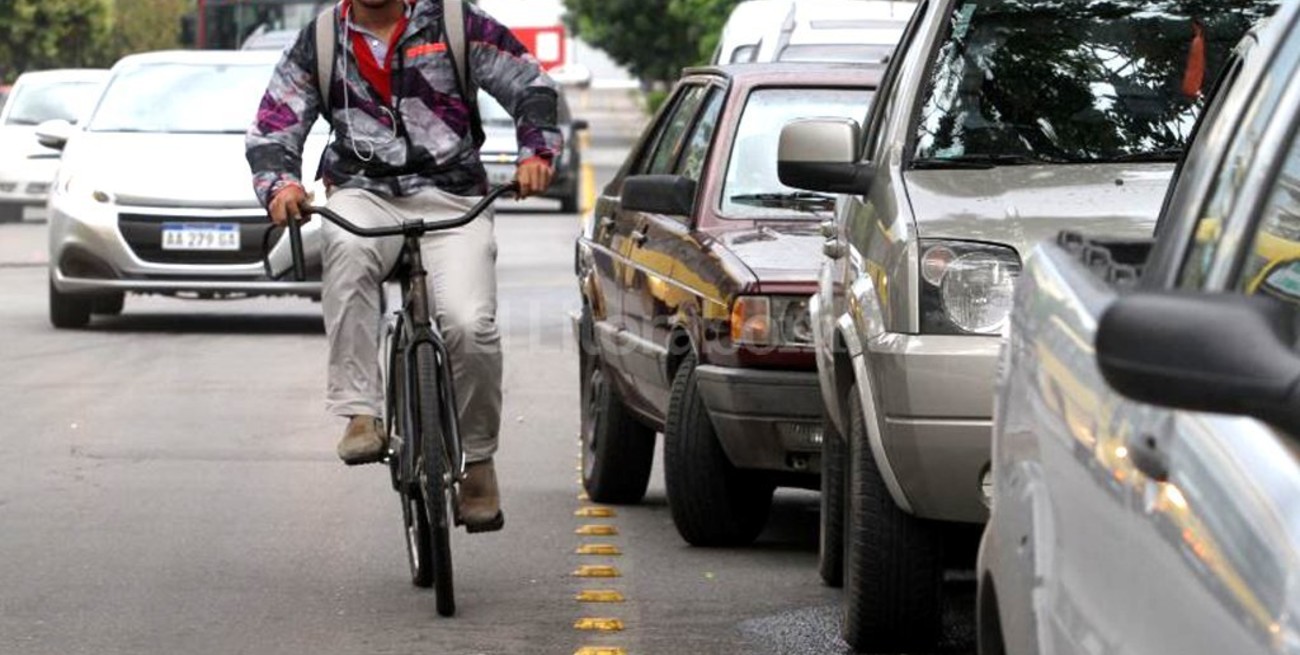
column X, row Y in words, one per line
column 411, row 227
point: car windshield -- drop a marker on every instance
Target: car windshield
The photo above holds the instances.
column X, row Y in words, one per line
column 182, row 98
column 836, row 53
column 35, row 102
column 752, row 189
column 1032, row 81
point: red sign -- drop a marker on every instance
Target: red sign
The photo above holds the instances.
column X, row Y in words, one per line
column 548, row 44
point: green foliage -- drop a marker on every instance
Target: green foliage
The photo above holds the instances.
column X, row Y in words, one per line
column 654, row 39
column 145, row 25
column 37, row 34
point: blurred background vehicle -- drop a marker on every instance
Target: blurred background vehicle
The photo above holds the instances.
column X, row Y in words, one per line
column 4, row 94
column 26, row 167
column 278, row 40
column 1146, row 472
column 996, row 137
column 695, row 274
column 760, row 31
column 154, row 195
column 500, row 151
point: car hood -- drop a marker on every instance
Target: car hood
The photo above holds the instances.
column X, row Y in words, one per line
column 1022, row 205
column 777, row 253
column 180, row 170
column 19, row 142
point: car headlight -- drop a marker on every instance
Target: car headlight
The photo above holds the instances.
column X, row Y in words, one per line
column 771, row 321
column 966, row 287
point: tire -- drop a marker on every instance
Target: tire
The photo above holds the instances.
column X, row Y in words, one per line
column 433, row 488
column 68, row 311
column 893, row 584
column 571, row 203
column 712, row 502
column 415, row 519
column 110, row 305
column 830, row 550
column 419, row 549
column 617, row 450
column 11, row 213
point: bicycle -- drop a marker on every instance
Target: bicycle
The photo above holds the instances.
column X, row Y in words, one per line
column 425, row 457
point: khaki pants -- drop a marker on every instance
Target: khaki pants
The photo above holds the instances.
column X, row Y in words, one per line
column 463, row 288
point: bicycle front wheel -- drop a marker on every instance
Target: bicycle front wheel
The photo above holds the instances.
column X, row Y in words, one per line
column 434, row 476
column 401, row 426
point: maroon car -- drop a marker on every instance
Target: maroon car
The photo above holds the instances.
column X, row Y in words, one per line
column 695, row 272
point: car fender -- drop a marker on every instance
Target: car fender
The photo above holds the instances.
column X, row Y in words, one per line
column 864, row 319
column 824, row 338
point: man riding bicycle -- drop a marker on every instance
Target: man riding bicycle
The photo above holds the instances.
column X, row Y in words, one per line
column 406, row 148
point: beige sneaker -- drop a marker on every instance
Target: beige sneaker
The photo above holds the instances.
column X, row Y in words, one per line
column 480, row 500
column 363, row 442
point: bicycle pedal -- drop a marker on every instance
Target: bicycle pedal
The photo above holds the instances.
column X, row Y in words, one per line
column 491, row 526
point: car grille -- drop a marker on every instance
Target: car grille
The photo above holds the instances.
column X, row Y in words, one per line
column 8, row 187
column 143, row 233
column 38, row 188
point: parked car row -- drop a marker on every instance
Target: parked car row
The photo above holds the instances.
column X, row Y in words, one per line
column 863, row 266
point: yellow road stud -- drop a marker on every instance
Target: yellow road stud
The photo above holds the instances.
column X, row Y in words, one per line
column 600, row 650
column 600, row 625
column 596, row 513
column 597, row 531
column 583, row 496
column 596, row 571
column 598, row 549
column 599, row 596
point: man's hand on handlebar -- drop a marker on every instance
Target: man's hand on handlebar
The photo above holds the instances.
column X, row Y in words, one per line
column 291, row 202
column 534, row 177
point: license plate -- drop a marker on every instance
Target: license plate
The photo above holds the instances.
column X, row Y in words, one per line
column 200, row 236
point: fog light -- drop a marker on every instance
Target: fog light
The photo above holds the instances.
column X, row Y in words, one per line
column 802, row 436
column 986, row 486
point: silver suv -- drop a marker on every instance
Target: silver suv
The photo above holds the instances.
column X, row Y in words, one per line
column 1005, row 122
column 1146, row 472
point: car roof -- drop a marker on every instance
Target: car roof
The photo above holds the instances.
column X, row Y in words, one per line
column 66, row 74
column 811, row 74
column 211, row 57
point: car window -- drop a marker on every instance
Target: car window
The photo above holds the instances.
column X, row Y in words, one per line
column 1226, row 188
column 697, row 148
column 752, row 189
column 174, row 97
column 847, row 53
column 872, row 127
column 1272, row 264
column 1074, row 81
column 674, row 134
column 37, row 102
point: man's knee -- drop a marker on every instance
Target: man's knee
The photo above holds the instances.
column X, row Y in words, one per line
column 470, row 331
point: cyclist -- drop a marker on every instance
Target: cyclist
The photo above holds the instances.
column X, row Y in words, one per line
column 406, row 147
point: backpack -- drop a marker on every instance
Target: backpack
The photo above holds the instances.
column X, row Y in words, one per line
column 453, row 28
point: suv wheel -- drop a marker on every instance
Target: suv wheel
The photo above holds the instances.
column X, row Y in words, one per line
column 893, row 584
column 69, row 311
column 830, row 552
column 110, row 305
column 713, row 503
column 617, row 450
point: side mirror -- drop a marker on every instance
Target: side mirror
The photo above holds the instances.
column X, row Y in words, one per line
column 821, row 155
column 1222, row 353
column 580, row 125
column 54, row 134
column 670, row 195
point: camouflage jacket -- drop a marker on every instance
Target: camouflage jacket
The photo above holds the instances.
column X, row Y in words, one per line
column 423, row 137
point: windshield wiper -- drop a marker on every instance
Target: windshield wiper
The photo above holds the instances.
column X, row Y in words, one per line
column 1161, row 156
column 977, row 162
column 801, row 201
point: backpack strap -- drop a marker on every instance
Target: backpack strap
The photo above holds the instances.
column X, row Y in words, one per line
column 453, row 28
column 326, row 40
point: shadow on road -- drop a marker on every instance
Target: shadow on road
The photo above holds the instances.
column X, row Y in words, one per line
column 211, row 324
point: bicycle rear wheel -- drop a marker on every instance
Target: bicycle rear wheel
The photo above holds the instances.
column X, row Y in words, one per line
column 435, row 478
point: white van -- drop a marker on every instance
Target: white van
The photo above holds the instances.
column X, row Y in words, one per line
column 813, row 30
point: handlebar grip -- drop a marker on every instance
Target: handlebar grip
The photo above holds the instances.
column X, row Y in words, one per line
column 295, row 247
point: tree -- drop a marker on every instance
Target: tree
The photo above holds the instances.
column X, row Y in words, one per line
column 144, row 25
column 643, row 35
column 36, row 34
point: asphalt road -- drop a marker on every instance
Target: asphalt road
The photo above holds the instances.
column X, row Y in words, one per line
column 170, row 486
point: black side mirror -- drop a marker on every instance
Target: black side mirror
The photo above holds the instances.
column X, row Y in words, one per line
column 670, row 195
column 1222, row 353
column 579, row 125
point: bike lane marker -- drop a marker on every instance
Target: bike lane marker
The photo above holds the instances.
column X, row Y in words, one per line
column 595, row 513
column 596, row 530
column 599, row 596
column 599, row 624
column 600, row 650
column 598, row 549
column 597, row 571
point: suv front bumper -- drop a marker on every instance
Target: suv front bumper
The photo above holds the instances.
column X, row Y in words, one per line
column 765, row 420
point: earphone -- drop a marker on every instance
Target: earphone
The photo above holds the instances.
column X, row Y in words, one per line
column 371, row 145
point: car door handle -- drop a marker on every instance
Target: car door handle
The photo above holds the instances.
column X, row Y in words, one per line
column 639, row 236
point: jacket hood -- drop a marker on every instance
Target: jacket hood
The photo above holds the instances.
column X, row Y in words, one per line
column 1020, row 206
